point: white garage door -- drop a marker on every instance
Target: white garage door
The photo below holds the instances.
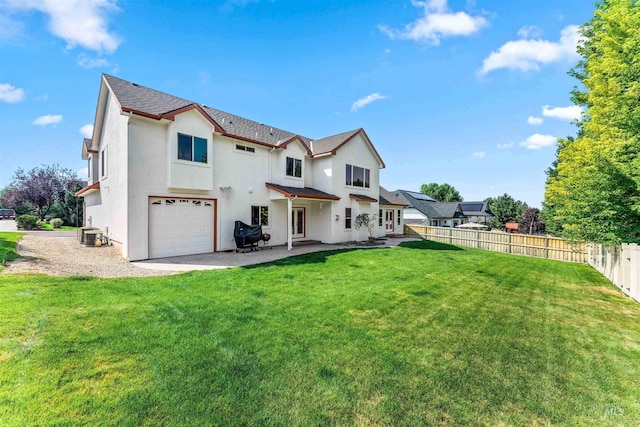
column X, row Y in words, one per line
column 180, row 226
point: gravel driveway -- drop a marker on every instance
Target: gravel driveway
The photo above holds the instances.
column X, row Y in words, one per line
column 58, row 253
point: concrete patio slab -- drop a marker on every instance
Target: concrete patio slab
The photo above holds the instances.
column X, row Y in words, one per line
column 220, row 260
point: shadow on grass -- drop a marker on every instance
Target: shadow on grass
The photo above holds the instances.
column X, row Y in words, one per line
column 310, row 258
column 429, row 244
column 7, row 250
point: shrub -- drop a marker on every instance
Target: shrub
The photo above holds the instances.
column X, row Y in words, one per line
column 27, row 222
column 56, row 222
column 41, row 224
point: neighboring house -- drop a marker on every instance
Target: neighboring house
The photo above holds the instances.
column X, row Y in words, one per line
column 390, row 213
column 479, row 212
column 424, row 210
column 168, row 177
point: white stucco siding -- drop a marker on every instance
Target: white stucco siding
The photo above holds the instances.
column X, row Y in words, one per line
column 112, row 214
column 185, row 174
column 295, row 151
column 95, row 213
column 322, row 172
column 242, row 176
column 356, row 152
column 148, row 176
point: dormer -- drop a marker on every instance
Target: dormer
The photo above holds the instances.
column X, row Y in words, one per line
column 293, row 162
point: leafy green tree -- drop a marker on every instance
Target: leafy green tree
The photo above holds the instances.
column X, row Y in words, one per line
column 593, row 192
column 505, row 209
column 69, row 207
column 441, row 193
column 531, row 222
column 40, row 188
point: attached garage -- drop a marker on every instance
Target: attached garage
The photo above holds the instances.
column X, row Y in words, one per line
column 180, row 226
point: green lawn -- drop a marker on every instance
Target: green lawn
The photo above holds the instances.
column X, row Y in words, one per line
column 424, row 334
column 8, row 242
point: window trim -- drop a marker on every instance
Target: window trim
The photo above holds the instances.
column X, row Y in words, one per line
column 294, row 162
column 350, row 174
column 89, row 167
column 245, row 148
column 260, row 212
column 193, row 148
column 347, row 219
column 399, row 213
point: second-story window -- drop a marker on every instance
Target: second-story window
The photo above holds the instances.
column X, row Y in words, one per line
column 358, row 177
column 294, row 167
column 89, row 167
column 192, row 148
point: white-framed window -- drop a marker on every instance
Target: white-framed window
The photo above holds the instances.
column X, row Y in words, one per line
column 245, row 148
column 347, row 218
column 294, row 167
column 89, row 167
column 260, row 215
column 399, row 216
column 192, row 148
column 358, row 177
column 104, row 164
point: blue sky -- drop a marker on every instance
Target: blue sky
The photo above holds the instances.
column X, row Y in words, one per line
column 472, row 93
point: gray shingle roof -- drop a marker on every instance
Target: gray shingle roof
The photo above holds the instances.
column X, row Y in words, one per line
column 306, row 192
column 139, row 98
column 432, row 209
column 476, row 209
column 330, row 143
column 387, row 198
column 362, row 198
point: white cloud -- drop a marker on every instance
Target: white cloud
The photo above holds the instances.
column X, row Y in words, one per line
column 78, row 22
column 86, row 130
column 505, row 146
column 570, row 113
column 479, row 154
column 83, row 173
column 49, row 119
column 438, row 22
column 537, row 141
column 362, row 102
column 530, row 31
column 535, row 120
column 85, row 61
column 10, row 94
column 528, row 55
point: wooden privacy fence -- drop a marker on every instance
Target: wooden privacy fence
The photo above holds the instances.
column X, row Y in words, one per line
column 620, row 264
column 519, row 244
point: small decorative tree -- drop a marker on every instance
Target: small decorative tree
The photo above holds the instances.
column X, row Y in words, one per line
column 367, row 221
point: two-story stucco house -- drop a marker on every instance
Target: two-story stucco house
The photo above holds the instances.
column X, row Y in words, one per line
column 168, row 176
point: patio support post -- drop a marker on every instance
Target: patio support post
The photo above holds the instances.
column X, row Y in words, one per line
column 289, row 222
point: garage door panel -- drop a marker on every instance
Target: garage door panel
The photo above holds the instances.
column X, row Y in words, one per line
column 180, row 227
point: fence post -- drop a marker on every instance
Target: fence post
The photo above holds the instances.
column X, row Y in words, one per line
column 546, row 247
column 509, row 243
column 451, row 235
column 478, row 239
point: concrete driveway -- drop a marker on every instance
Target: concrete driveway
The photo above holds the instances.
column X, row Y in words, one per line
column 8, row 225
